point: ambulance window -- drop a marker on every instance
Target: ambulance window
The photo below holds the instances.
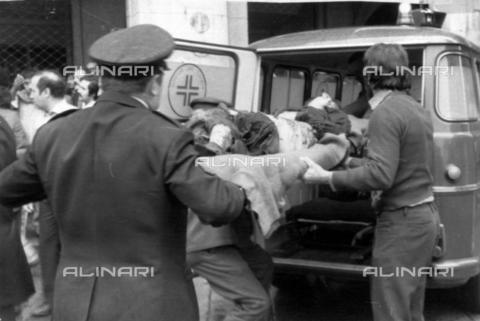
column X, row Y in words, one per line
column 325, row 82
column 196, row 74
column 351, row 88
column 288, row 88
column 456, row 97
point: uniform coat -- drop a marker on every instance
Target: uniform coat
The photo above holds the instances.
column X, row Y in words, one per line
column 119, row 178
column 16, row 283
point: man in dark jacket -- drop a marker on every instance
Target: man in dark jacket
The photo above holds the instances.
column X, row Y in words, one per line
column 119, row 178
column 16, row 283
column 236, row 268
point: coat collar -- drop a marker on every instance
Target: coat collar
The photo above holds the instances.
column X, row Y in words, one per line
column 120, row 98
column 378, row 98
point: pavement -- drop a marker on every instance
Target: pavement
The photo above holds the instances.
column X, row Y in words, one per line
column 317, row 300
column 302, row 300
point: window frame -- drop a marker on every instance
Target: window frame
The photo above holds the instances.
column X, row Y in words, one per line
column 437, row 89
column 339, row 81
column 344, row 76
column 306, row 87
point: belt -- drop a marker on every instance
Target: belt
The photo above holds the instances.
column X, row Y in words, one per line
column 424, row 201
column 427, row 200
column 405, row 208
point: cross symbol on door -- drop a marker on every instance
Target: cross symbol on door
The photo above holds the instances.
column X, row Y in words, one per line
column 187, row 90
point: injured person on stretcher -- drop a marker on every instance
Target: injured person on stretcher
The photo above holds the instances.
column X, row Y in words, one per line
column 262, row 154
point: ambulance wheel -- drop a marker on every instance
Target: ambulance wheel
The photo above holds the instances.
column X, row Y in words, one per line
column 471, row 293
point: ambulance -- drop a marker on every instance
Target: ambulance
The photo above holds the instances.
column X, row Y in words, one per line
column 284, row 71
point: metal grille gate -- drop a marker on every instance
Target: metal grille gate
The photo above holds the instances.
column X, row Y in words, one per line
column 35, row 34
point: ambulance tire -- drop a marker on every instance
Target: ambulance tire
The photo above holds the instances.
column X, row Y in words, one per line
column 471, row 294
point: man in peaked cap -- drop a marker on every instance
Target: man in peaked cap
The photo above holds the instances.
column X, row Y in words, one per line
column 119, row 178
column 208, row 102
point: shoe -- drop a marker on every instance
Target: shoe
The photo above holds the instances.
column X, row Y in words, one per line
column 42, row 310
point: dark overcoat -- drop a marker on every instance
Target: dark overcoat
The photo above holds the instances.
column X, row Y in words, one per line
column 16, row 283
column 119, row 178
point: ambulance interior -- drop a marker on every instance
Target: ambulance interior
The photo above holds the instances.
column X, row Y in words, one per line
column 321, row 225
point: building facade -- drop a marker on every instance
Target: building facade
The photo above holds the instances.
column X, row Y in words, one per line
column 54, row 33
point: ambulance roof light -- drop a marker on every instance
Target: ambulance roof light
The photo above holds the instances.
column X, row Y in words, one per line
column 405, row 14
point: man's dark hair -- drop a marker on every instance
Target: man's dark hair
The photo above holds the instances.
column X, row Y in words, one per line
column 29, row 72
column 93, row 86
column 53, row 81
column 93, row 89
column 390, row 58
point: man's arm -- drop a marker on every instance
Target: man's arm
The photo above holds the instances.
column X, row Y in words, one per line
column 20, row 183
column 214, row 200
column 379, row 170
column 7, row 144
column 354, row 162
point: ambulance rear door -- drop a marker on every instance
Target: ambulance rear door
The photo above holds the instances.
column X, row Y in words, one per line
column 200, row 69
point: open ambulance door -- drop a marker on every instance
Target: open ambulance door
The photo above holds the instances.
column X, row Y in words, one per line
column 208, row 70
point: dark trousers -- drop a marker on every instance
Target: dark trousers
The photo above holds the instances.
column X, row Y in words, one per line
column 7, row 313
column 49, row 248
column 230, row 277
column 403, row 238
column 259, row 261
